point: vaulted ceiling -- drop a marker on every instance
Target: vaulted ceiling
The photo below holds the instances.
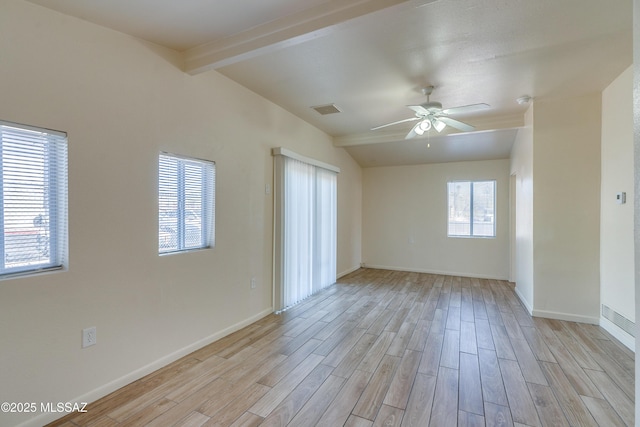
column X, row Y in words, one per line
column 371, row 58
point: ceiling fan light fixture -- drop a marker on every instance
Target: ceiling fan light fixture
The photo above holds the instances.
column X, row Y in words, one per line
column 423, row 126
column 438, row 125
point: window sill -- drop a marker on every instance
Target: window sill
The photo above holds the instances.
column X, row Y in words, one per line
column 185, row 251
column 473, row 237
column 32, row 273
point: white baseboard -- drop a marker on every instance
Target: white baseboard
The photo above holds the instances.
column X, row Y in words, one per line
column 524, row 301
column 348, row 271
column 440, row 272
column 557, row 315
column 566, row 316
column 114, row 385
column 618, row 333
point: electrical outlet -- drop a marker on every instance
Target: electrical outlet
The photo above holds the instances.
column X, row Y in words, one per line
column 89, row 337
column 253, row 283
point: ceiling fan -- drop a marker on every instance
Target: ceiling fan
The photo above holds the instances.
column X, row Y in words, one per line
column 431, row 115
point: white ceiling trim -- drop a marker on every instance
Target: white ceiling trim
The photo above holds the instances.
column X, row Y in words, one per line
column 282, row 32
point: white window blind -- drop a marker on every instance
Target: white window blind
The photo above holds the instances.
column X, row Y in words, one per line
column 309, row 230
column 471, row 208
column 33, row 199
column 186, row 204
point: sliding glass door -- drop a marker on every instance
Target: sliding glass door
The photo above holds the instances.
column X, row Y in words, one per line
column 306, row 228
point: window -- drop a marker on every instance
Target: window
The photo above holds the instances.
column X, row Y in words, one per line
column 472, row 209
column 33, row 199
column 186, row 204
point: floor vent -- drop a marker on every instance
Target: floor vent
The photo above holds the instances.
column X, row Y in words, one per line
column 619, row 320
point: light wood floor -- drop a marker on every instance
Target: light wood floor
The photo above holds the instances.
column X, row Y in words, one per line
column 384, row 348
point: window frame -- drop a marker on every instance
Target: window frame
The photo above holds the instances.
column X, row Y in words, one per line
column 54, row 195
column 471, row 234
column 207, row 206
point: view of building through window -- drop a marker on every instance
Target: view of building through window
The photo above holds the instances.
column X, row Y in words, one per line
column 471, row 210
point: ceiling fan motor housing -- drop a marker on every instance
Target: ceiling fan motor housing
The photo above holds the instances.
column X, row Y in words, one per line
column 432, row 107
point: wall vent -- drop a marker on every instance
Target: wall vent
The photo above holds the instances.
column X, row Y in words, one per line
column 619, row 320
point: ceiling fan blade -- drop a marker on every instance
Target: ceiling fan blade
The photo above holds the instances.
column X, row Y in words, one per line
column 419, row 109
column 466, row 109
column 456, row 124
column 395, row 123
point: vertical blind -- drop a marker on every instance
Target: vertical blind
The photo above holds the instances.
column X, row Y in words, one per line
column 33, row 198
column 309, row 230
column 186, row 203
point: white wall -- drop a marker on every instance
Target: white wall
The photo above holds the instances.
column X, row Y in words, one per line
column 636, row 182
column 566, row 215
column 122, row 101
column 405, row 220
column 522, row 169
column 556, row 161
column 616, row 221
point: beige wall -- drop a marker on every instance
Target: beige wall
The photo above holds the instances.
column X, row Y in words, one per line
column 636, row 181
column 556, row 160
column 566, row 214
column 122, row 101
column 405, row 220
column 522, row 170
column 616, row 223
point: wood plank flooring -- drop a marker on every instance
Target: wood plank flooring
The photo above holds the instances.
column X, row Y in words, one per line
column 388, row 348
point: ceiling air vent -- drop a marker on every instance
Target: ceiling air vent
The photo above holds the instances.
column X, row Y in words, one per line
column 326, row 109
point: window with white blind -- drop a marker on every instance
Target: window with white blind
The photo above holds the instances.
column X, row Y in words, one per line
column 33, row 199
column 186, row 204
column 471, row 210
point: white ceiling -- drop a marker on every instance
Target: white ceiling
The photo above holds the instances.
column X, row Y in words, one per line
column 372, row 57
